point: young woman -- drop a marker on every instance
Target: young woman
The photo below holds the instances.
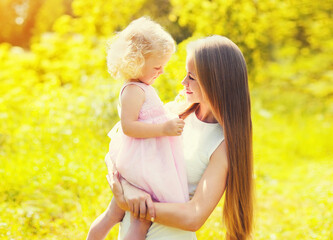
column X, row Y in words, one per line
column 217, row 140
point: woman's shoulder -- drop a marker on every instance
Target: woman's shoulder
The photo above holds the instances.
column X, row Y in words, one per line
column 177, row 106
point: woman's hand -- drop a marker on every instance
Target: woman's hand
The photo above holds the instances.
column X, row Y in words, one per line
column 139, row 202
column 130, row 198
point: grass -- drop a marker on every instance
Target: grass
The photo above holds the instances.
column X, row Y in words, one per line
column 53, row 175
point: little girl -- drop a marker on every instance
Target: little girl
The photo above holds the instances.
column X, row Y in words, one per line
column 145, row 148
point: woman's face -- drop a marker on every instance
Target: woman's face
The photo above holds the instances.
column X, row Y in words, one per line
column 191, row 84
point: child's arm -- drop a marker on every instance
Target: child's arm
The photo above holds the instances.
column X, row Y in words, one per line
column 132, row 99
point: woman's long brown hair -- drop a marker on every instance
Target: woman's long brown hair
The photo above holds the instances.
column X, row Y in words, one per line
column 222, row 76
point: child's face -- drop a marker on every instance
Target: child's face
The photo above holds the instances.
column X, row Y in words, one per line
column 154, row 66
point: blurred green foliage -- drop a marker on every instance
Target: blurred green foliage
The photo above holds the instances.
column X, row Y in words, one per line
column 57, row 103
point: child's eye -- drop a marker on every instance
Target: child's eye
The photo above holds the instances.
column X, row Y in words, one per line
column 158, row 68
column 191, row 78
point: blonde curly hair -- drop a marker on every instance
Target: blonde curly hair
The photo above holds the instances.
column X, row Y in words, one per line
column 127, row 51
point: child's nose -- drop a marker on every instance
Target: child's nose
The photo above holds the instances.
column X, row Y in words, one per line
column 185, row 82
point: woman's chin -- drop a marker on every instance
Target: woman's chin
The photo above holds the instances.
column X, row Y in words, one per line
column 189, row 99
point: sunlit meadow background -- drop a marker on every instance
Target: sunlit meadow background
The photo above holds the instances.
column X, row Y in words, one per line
column 57, row 103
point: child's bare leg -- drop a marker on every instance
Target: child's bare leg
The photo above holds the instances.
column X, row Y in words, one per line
column 100, row 228
column 138, row 229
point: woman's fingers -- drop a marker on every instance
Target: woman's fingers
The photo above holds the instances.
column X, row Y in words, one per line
column 137, row 201
column 151, row 208
column 139, row 206
column 131, row 207
column 136, row 207
column 143, row 209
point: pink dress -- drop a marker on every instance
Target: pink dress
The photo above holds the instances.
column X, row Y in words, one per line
column 155, row 165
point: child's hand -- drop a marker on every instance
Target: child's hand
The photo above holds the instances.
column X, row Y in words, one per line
column 174, row 127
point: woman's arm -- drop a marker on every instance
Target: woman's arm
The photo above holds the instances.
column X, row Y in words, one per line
column 132, row 99
column 193, row 214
